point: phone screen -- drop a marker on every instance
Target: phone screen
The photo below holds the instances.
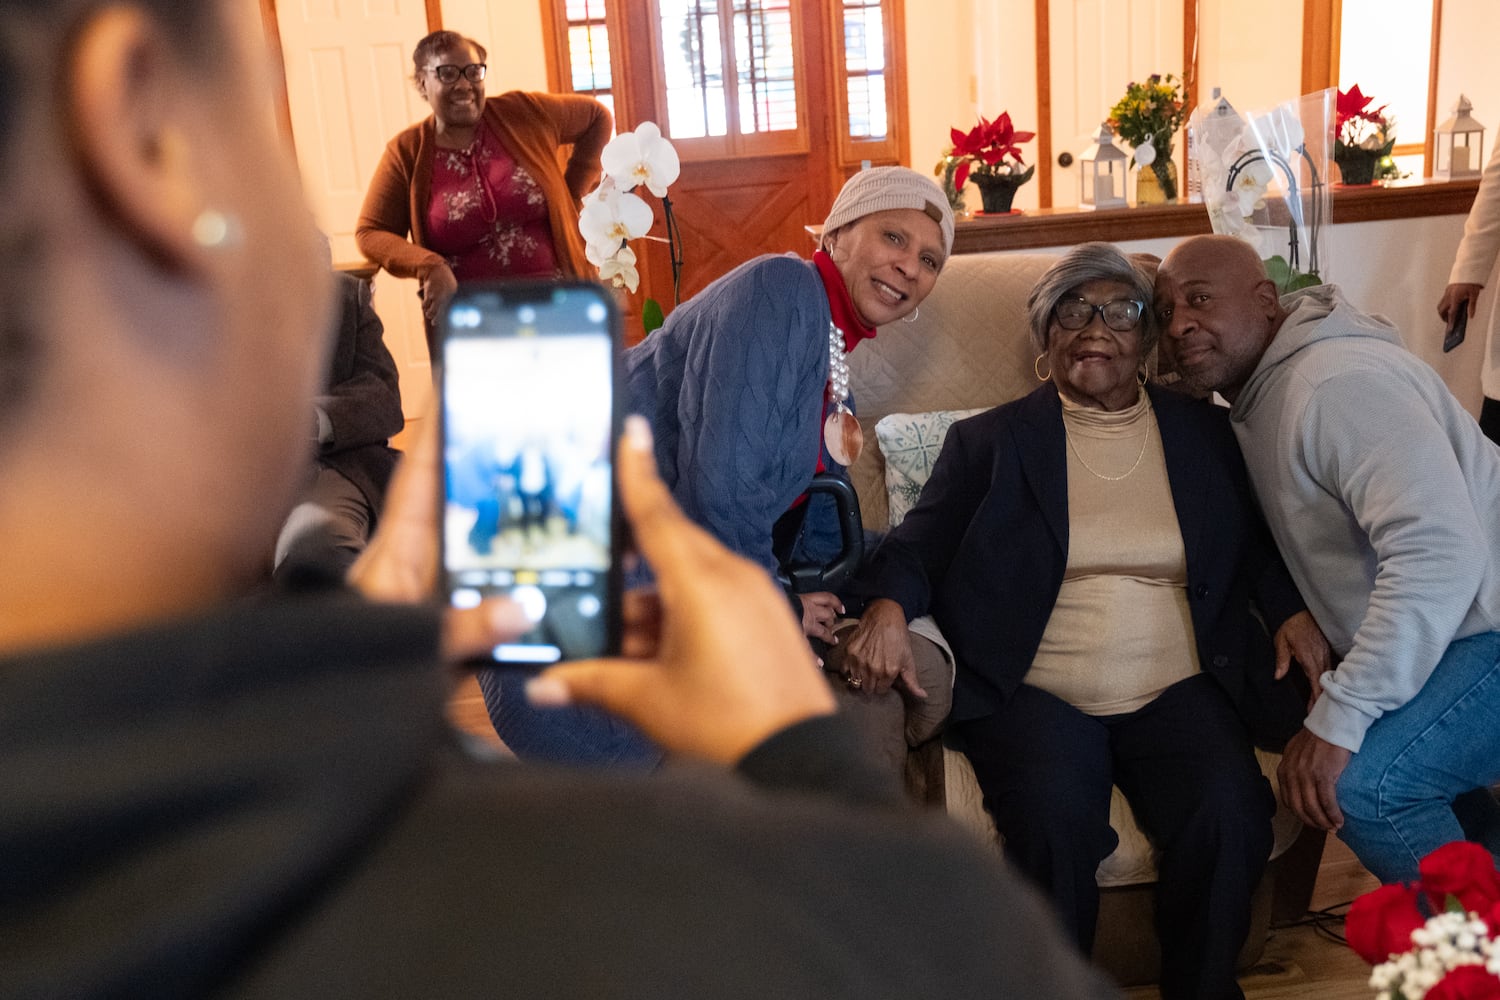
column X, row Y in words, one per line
column 529, row 427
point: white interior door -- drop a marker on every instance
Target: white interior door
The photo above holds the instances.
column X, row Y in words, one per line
column 348, row 77
column 1097, row 48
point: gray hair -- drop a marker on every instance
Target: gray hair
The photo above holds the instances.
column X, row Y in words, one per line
column 1084, row 263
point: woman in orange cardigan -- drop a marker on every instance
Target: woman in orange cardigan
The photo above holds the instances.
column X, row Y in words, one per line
column 478, row 186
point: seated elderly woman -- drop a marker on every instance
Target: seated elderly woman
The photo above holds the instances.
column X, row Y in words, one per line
column 1090, row 551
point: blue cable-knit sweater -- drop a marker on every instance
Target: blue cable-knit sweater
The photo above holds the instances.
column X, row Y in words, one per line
column 733, row 387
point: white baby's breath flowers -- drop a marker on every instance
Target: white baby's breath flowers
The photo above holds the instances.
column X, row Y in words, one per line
column 1446, row 942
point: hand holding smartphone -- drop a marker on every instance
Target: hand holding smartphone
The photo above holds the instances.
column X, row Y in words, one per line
column 530, row 417
column 1457, row 328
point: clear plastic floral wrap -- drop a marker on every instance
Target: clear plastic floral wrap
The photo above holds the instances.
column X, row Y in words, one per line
column 1265, row 180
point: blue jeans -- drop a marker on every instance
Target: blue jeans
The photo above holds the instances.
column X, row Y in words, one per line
column 575, row 735
column 1397, row 793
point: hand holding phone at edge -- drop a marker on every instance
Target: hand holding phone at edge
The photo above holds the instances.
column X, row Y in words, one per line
column 730, row 668
column 1458, row 296
column 400, row 565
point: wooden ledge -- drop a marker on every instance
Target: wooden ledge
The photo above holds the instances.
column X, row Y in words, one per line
column 1051, row 227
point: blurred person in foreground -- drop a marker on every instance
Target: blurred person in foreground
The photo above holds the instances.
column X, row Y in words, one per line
column 210, row 791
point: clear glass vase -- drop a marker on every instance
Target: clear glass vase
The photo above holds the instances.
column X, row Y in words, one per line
column 1149, row 189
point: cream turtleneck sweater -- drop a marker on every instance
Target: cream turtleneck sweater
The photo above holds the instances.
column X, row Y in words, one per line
column 1121, row 631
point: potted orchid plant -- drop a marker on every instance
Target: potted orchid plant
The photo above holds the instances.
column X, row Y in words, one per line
column 613, row 215
column 1263, row 182
column 989, row 154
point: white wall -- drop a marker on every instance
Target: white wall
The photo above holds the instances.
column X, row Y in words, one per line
column 1467, row 64
column 511, row 31
column 1253, row 52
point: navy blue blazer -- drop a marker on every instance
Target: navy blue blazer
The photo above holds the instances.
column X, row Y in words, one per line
column 985, row 548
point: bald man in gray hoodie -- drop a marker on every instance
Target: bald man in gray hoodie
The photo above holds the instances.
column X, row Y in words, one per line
column 1384, row 498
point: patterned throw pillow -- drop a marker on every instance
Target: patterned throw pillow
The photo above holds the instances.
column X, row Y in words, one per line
column 910, row 443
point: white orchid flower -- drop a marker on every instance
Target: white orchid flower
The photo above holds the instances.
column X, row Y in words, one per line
column 610, row 217
column 641, row 157
column 620, row 270
column 598, row 253
column 1250, row 186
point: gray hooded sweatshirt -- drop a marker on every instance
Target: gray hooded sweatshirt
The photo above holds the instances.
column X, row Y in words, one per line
column 1383, row 496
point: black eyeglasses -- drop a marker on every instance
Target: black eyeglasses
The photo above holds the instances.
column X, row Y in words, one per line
column 448, row 74
column 1120, row 315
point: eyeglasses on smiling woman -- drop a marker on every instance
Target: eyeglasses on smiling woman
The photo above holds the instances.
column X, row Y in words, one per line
column 1120, row 315
column 448, row 73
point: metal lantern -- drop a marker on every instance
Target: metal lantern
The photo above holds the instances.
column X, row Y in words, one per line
column 1458, row 144
column 1102, row 172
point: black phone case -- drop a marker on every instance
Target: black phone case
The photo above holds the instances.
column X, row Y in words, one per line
column 1455, row 334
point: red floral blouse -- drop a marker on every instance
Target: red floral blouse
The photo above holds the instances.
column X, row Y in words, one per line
column 487, row 216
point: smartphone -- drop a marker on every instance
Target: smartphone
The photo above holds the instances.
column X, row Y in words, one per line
column 530, row 387
column 1459, row 327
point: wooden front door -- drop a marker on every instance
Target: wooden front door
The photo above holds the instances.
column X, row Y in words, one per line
column 749, row 93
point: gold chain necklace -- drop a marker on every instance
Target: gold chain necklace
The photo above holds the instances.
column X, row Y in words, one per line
column 1145, row 440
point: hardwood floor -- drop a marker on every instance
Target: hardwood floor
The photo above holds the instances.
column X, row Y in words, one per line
column 1298, row 961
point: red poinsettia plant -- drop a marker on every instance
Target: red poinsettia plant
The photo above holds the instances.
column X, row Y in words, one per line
column 990, row 149
column 1360, row 126
column 1432, row 939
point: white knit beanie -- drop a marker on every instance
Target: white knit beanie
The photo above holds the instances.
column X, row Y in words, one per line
column 880, row 189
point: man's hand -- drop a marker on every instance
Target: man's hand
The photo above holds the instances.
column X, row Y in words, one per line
column 723, row 665
column 1309, row 774
column 820, row 610
column 879, row 654
column 1300, row 639
column 400, row 565
column 1458, row 296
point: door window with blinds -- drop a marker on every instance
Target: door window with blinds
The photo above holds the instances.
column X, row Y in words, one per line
column 587, row 42
column 729, row 75
column 872, row 81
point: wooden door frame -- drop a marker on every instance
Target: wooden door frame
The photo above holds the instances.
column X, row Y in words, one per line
column 1044, row 82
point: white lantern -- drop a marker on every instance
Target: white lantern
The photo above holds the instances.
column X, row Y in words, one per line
column 1458, row 144
column 1102, row 172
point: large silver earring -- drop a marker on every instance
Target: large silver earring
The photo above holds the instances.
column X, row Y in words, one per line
column 1036, row 366
column 215, row 230
column 912, row 316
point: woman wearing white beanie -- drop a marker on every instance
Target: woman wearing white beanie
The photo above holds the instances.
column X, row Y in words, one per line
column 747, row 391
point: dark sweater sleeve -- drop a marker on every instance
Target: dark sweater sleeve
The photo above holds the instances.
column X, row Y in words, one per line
column 365, row 407
column 823, row 755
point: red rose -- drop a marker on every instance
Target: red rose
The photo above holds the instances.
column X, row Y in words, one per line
column 1380, row 922
column 1464, row 870
column 1467, row 982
